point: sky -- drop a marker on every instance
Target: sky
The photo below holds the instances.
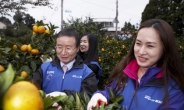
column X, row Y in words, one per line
column 128, row 10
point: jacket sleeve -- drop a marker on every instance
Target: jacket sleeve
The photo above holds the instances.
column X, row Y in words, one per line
column 105, row 92
column 89, row 85
column 175, row 102
column 37, row 78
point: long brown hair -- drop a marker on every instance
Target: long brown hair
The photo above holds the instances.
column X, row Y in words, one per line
column 170, row 60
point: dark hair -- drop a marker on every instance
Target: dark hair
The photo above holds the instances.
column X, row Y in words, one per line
column 93, row 48
column 170, row 60
column 70, row 33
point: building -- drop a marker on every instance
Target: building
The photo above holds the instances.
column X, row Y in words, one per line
column 2, row 25
column 108, row 24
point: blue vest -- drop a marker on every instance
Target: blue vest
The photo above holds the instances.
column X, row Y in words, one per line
column 99, row 70
column 55, row 80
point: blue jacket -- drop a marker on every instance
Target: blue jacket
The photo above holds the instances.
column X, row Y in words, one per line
column 150, row 92
column 51, row 74
column 80, row 78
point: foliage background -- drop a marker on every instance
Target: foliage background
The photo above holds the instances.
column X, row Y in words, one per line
column 111, row 49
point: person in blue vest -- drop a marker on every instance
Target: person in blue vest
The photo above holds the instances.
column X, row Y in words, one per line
column 89, row 53
column 67, row 73
column 151, row 76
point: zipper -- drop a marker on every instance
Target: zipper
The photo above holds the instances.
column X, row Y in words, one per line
column 63, row 81
column 63, row 76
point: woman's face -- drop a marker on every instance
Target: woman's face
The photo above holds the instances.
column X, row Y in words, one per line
column 84, row 44
column 148, row 48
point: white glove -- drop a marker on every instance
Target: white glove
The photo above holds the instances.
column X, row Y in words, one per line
column 46, row 60
column 55, row 94
column 96, row 100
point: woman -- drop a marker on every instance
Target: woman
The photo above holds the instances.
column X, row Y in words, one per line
column 89, row 53
column 151, row 76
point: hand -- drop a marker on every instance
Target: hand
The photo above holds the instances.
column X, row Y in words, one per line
column 47, row 60
column 55, row 94
column 96, row 100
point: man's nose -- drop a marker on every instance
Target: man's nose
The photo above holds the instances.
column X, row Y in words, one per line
column 63, row 51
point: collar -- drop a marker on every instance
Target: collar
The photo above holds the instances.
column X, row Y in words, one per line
column 152, row 72
column 69, row 65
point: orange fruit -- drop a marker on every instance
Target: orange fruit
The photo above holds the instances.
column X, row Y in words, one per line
column 14, row 47
column 34, row 33
column 22, row 95
column 99, row 60
column 23, row 48
column 1, row 68
column 41, row 29
column 29, row 48
column 35, row 28
column 47, row 31
column 34, row 51
column 24, row 74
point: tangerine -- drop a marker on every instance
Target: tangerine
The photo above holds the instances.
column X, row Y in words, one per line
column 41, row 29
column 14, row 47
column 35, row 28
column 47, row 31
column 1, row 68
column 24, row 74
column 23, row 48
column 34, row 51
column 22, row 95
column 29, row 48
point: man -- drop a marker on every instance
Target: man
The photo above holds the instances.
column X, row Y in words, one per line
column 121, row 35
column 75, row 75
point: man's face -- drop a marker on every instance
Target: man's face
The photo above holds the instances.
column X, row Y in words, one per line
column 66, row 49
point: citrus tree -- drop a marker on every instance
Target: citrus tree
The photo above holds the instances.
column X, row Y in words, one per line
column 25, row 56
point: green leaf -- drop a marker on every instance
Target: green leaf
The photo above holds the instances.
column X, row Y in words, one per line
column 48, row 101
column 7, row 49
column 112, row 95
column 79, row 105
column 119, row 99
column 6, row 78
column 18, row 78
column 102, row 106
column 25, row 68
column 86, row 98
column 33, row 66
column 69, row 101
column 112, row 106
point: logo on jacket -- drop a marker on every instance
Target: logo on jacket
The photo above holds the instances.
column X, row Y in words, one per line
column 49, row 75
column 75, row 76
column 153, row 100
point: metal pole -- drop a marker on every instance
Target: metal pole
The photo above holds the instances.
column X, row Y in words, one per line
column 116, row 34
column 61, row 14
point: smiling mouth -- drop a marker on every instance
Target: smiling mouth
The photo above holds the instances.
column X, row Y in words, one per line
column 82, row 48
column 142, row 59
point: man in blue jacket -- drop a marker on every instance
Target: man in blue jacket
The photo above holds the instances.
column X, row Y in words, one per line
column 66, row 73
